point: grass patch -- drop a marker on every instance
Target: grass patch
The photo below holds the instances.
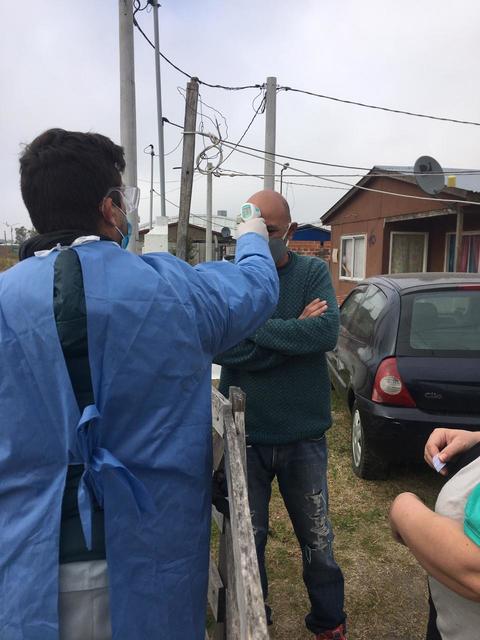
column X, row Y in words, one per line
column 6, row 263
column 386, row 596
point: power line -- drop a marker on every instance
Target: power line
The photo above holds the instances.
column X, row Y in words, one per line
column 362, row 188
column 373, row 106
column 326, row 164
column 196, row 215
column 259, row 109
column 232, row 173
column 303, row 91
column 189, row 75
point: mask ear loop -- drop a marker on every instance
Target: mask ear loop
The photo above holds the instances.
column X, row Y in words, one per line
column 286, row 234
column 115, row 226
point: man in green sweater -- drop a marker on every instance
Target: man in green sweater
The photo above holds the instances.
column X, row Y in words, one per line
column 283, row 371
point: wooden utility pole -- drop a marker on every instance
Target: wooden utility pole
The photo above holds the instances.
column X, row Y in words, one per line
column 189, row 128
column 128, row 126
column 458, row 238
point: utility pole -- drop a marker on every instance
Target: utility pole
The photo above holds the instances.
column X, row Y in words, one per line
column 189, row 128
column 208, row 231
column 161, row 148
column 285, row 166
column 152, row 155
column 128, row 126
column 270, row 128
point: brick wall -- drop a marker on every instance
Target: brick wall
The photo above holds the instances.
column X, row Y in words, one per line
column 311, row 248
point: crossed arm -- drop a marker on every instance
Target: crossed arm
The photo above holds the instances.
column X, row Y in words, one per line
column 250, row 356
column 315, row 330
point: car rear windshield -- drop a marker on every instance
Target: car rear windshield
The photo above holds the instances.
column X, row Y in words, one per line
column 440, row 322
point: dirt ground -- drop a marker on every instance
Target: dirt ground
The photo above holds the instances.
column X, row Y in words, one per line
column 386, row 595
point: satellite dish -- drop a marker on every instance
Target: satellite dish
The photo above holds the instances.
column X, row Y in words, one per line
column 429, row 175
column 226, row 233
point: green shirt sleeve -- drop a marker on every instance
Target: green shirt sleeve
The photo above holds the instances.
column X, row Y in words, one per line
column 312, row 335
column 248, row 356
column 471, row 523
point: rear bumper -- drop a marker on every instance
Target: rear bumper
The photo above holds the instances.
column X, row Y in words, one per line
column 401, row 432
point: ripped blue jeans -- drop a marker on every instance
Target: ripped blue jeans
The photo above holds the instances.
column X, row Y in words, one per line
column 301, row 471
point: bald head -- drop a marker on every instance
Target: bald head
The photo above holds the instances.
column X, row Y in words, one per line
column 274, row 207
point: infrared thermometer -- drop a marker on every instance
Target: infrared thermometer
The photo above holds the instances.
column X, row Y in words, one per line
column 249, row 211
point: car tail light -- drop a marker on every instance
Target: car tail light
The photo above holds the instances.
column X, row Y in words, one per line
column 389, row 387
column 469, row 287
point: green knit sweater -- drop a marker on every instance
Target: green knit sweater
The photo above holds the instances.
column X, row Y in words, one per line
column 282, row 367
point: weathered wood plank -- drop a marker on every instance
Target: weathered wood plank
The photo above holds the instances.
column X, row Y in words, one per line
column 218, row 449
column 218, row 518
column 216, row 592
column 233, row 622
column 220, row 408
column 247, row 578
column 238, row 401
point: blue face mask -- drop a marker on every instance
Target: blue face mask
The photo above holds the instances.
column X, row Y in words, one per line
column 125, row 237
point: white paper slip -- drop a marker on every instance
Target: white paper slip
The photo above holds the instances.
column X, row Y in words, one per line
column 437, row 463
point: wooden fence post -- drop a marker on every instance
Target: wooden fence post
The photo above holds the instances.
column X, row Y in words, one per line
column 237, row 578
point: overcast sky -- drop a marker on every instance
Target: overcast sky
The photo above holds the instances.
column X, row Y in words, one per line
column 60, row 68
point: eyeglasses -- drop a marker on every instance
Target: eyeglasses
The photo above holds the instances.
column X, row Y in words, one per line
column 130, row 197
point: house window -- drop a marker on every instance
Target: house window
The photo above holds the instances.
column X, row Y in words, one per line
column 408, row 252
column 352, row 257
column 469, row 253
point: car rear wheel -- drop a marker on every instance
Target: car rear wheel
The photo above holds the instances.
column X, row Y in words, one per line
column 366, row 463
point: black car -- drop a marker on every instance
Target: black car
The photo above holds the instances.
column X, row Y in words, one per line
column 407, row 361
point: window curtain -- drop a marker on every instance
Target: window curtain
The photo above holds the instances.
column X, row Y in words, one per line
column 469, row 253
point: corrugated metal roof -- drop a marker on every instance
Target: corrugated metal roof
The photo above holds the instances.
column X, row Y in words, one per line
column 466, row 183
column 465, row 180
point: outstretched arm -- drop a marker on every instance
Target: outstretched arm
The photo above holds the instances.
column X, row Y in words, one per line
column 439, row 545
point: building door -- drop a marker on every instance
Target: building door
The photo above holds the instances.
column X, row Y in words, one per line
column 408, row 252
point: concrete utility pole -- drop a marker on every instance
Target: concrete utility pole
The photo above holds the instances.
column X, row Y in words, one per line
column 208, row 231
column 189, row 128
column 285, row 166
column 128, row 126
column 152, row 155
column 270, row 129
column 161, row 148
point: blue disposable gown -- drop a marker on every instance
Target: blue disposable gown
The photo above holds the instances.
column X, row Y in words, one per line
column 154, row 324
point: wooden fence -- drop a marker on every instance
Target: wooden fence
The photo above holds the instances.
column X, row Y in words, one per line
column 234, row 591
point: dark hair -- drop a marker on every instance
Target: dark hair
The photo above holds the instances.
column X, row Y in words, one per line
column 65, row 174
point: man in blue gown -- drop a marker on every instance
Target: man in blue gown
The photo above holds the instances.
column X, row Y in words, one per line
column 105, row 360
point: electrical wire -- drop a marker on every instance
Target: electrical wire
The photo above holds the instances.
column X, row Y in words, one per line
column 189, row 75
column 196, row 215
column 295, row 90
column 331, row 164
column 373, row 106
column 215, row 123
column 261, row 108
column 174, row 148
column 362, row 188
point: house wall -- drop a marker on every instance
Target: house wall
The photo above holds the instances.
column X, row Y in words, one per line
column 368, row 214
